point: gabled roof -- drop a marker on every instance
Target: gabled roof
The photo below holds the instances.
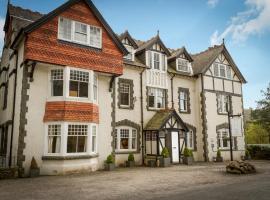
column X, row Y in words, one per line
column 161, row 117
column 205, row 59
column 128, row 36
column 175, row 54
column 33, row 26
column 148, row 44
column 25, row 16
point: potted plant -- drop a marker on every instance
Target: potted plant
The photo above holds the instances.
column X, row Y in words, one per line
column 34, row 169
column 188, row 156
column 109, row 163
column 165, row 160
column 131, row 161
column 247, row 155
column 219, row 158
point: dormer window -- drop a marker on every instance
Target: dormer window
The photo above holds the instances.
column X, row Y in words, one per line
column 77, row 32
column 223, row 71
column 182, row 65
column 129, row 56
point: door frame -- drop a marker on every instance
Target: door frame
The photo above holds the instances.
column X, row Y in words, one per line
column 170, row 139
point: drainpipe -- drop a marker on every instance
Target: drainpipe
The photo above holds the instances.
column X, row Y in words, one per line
column 141, row 88
column 172, row 90
column 13, row 109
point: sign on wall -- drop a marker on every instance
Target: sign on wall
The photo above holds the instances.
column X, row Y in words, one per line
column 236, row 126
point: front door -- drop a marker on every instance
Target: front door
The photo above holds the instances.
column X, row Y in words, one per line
column 175, row 147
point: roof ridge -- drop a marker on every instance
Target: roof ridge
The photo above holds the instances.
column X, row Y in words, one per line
column 26, row 9
column 208, row 49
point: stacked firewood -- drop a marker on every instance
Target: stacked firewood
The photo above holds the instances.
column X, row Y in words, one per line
column 240, row 167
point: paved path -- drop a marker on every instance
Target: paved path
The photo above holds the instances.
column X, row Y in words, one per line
column 201, row 181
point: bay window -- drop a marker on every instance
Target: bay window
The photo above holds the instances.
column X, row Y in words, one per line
column 57, row 82
column 68, row 83
column 223, row 71
column 78, row 83
column 156, row 98
column 66, row 138
column 77, row 32
column 77, row 138
column 126, row 139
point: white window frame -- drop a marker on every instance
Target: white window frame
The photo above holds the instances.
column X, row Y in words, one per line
column 226, row 69
column 220, row 138
column 222, row 101
column 66, row 79
column 64, row 138
column 156, row 91
column 162, row 61
column 129, row 94
column 177, row 65
column 118, row 139
column 185, row 101
column 190, row 145
column 131, row 52
column 73, row 33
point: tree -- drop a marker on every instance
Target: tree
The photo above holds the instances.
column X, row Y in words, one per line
column 256, row 134
column 261, row 114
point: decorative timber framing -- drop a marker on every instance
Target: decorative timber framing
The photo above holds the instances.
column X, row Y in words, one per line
column 186, row 90
column 129, row 123
column 131, row 93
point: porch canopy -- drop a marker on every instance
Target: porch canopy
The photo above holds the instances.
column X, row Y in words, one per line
column 158, row 133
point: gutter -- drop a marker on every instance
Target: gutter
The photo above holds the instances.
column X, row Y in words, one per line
column 141, row 88
column 13, row 109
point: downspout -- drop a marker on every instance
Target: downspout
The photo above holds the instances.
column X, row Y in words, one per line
column 13, row 109
column 141, row 88
column 172, row 90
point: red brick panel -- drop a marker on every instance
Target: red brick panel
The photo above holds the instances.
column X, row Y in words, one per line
column 71, row 111
column 42, row 45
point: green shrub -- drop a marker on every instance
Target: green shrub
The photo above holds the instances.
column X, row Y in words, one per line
column 218, row 153
column 110, row 159
column 247, row 154
column 165, row 152
column 131, row 157
column 188, row 152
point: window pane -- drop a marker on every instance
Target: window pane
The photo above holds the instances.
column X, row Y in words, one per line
column 73, row 88
column 182, row 65
column 124, row 135
column 57, row 88
column 229, row 73
column 134, row 139
column 222, row 70
column 81, row 144
column 54, row 138
column 95, row 37
column 156, row 61
column 77, row 137
column 71, row 144
column 80, row 34
column 216, row 72
column 95, row 87
column 151, row 101
column 83, row 89
column 124, row 94
column 65, row 29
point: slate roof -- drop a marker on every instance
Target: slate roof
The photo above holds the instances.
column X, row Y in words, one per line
column 127, row 35
column 204, row 59
column 160, row 118
column 178, row 52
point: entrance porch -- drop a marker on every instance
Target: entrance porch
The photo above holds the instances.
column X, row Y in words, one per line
column 165, row 129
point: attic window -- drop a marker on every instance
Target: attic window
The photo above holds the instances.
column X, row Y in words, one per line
column 130, row 55
column 80, row 33
column 223, row 71
column 182, row 65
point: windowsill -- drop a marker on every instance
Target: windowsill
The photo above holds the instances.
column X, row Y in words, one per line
column 154, row 109
column 77, row 44
column 219, row 113
column 184, row 112
column 69, row 157
column 126, row 151
column 74, row 99
column 125, row 107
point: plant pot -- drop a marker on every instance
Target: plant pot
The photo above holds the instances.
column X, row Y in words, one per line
column 151, row 163
column 130, row 163
column 219, row 159
column 188, row 160
column 165, row 162
column 34, row 172
column 109, row 166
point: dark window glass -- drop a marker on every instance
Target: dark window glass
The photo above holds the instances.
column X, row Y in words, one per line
column 57, row 88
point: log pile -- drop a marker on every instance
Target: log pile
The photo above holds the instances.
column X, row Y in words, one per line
column 240, row 167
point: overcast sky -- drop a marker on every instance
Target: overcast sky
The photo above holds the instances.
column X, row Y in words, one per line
column 195, row 24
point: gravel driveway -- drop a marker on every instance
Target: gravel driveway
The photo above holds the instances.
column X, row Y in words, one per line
column 203, row 180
